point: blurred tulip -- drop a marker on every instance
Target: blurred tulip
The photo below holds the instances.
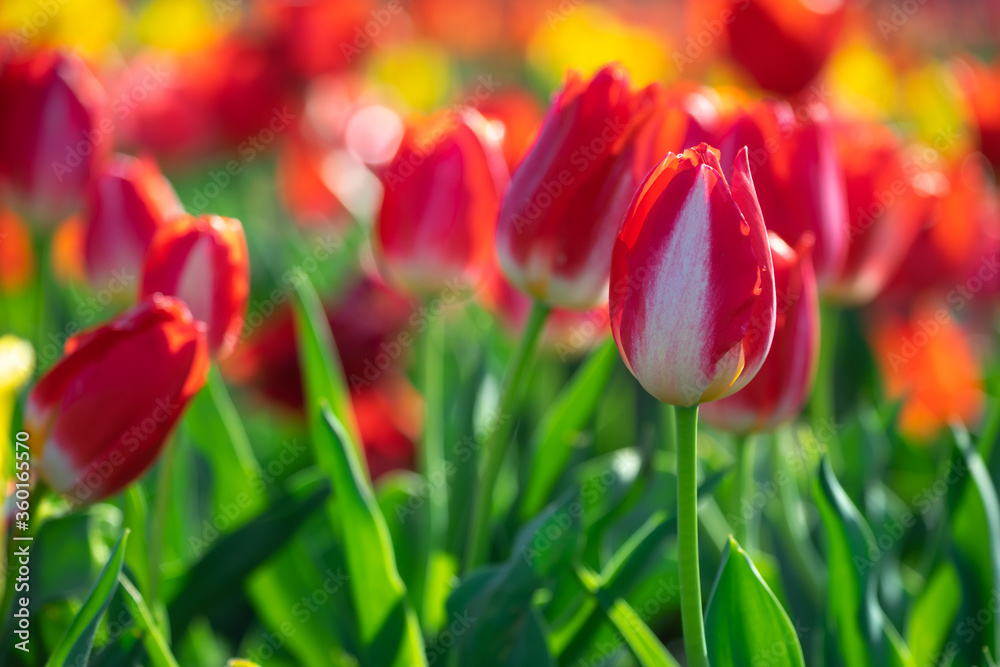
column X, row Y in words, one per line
column 565, row 201
column 203, row 261
column 368, row 322
column 797, row 176
column 54, row 132
column 981, row 85
column 128, row 202
column 692, row 286
column 100, row 416
column 784, row 44
column 317, row 37
column 303, row 186
column 17, row 255
column 520, row 114
column 390, row 420
column 66, row 257
column 781, row 387
column 929, row 363
column 442, row 191
column 888, row 195
column 958, row 242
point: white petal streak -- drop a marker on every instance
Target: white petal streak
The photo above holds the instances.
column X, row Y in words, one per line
column 677, row 306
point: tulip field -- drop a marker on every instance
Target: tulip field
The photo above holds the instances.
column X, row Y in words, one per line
column 490, row 333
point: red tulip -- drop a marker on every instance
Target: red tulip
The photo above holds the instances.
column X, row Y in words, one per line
column 128, row 202
column 981, row 85
column 784, row 44
column 692, row 287
column 566, row 199
column 958, row 241
column 390, row 418
column 797, row 177
column 203, row 261
column 101, row 415
column 520, row 114
column 442, row 191
column 781, row 387
column 54, row 131
column 888, row 196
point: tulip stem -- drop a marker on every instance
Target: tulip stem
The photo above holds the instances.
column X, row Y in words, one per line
column 433, row 440
column 498, row 441
column 692, row 620
column 746, row 483
column 821, row 406
column 161, row 509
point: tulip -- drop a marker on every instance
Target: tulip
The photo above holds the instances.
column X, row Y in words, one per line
column 303, row 185
column 100, row 416
column 981, row 86
column 692, row 294
column 17, row 255
column 566, row 199
column 203, row 261
column 520, row 114
column 958, row 240
column 54, row 132
column 128, row 202
column 442, row 191
column 929, row 363
column 780, row 388
column 888, row 196
column 784, row 44
column 797, row 177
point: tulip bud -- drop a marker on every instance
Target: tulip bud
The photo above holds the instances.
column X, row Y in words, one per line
column 781, row 387
column 797, row 177
column 567, row 197
column 100, row 416
column 442, row 190
column 692, row 295
column 126, row 205
column 784, row 44
column 203, row 261
column 54, row 132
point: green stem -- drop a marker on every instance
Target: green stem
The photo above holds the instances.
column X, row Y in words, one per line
column 161, row 509
column 821, row 406
column 746, row 483
column 499, row 440
column 687, row 527
column 669, row 423
column 433, row 440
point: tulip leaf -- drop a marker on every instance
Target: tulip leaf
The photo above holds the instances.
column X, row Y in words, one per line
column 974, row 521
column 552, row 443
column 389, row 631
column 643, row 643
column 491, row 614
column 323, row 374
column 234, row 556
column 75, row 646
column 933, row 615
column 858, row 634
column 156, row 646
column 745, row 624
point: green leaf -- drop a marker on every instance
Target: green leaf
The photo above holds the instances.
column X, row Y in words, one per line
column 156, row 647
column 552, row 443
column 643, row 643
column 744, row 624
column 493, row 619
column 234, row 556
column 76, row 644
column 323, row 374
column 933, row 615
column 389, row 630
column 974, row 520
column 857, row 632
